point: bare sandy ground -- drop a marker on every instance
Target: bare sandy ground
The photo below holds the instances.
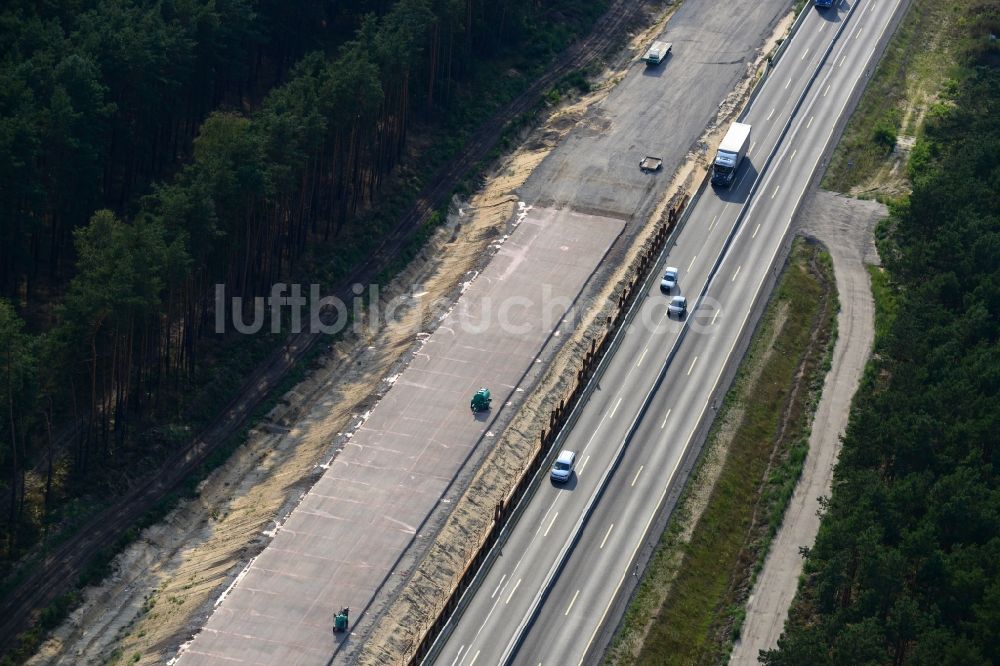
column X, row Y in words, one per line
column 845, row 227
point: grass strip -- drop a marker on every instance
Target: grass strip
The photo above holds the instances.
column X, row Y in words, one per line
column 690, row 604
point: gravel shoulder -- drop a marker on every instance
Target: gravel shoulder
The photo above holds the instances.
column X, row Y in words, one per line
column 845, row 226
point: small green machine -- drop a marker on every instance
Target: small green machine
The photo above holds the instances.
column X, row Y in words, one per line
column 340, row 620
column 481, row 400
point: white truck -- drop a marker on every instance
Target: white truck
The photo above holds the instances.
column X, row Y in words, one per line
column 731, row 152
column 657, row 52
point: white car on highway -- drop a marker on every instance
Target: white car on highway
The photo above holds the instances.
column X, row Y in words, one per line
column 562, row 469
column 669, row 280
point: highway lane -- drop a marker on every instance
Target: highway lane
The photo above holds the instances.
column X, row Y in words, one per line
column 579, row 600
column 741, row 277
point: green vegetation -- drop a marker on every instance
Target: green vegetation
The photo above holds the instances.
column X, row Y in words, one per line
column 690, row 604
column 886, row 302
column 916, row 77
column 149, row 150
column 906, row 566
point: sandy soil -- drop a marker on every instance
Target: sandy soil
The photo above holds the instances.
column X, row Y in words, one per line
column 845, row 227
column 890, row 180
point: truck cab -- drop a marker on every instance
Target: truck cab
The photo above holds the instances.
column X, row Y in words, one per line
column 657, row 52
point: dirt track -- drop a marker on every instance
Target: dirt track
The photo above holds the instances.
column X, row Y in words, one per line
column 844, row 226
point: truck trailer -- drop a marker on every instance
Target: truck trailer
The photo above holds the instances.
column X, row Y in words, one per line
column 731, row 152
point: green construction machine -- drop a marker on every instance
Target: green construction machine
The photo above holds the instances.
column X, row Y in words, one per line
column 340, row 620
column 481, row 400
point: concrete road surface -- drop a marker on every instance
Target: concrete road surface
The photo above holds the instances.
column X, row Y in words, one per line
column 556, row 593
column 657, row 110
column 343, row 540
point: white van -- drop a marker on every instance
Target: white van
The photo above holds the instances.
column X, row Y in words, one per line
column 562, row 469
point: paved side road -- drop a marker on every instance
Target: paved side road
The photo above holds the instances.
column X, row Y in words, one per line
column 341, row 543
column 844, row 226
column 660, row 111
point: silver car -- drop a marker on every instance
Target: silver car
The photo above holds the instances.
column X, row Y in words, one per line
column 678, row 306
column 669, row 280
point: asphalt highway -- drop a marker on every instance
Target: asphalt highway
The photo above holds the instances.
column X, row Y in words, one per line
column 545, row 600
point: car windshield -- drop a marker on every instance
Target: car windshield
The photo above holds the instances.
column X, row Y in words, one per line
column 561, row 466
